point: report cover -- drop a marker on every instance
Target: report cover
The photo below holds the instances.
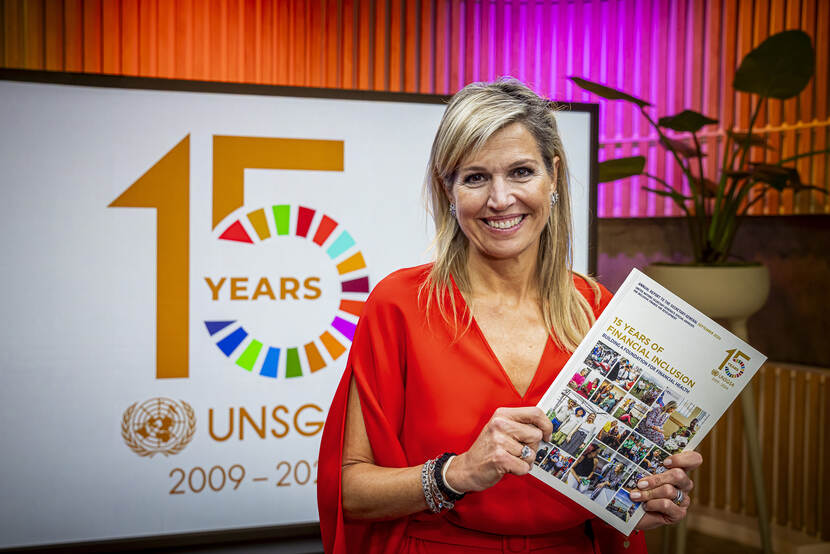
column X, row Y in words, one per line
column 650, row 379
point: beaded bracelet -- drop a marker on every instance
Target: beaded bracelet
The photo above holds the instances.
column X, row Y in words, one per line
column 436, row 492
column 439, row 477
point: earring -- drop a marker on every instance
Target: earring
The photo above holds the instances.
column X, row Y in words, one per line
column 452, row 210
column 554, row 198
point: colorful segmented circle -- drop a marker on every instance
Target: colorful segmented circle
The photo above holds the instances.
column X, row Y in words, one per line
column 350, row 265
column 735, row 368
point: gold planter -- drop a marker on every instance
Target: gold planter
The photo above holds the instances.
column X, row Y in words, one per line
column 731, row 293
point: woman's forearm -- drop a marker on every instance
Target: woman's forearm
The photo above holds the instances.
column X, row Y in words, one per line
column 370, row 491
column 373, row 492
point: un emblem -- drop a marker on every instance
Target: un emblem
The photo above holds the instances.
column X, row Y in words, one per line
column 158, row 425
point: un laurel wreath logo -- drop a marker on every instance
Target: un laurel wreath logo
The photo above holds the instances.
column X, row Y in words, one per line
column 158, row 425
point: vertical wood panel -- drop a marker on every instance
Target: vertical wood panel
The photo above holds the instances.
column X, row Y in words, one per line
column 129, row 38
column 92, row 36
column 33, row 42
column 316, row 35
column 73, row 31
column 426, row 78
column 12, row 29
column 675, row 53
column 53, row 36
column 167, row 39
column 111, row 37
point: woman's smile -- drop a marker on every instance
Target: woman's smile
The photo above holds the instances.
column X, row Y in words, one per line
column 504, row 224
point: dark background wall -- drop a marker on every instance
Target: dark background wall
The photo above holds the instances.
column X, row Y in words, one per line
column 793, row 325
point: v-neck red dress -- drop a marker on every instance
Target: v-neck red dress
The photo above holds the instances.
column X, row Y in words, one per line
column 424, row 391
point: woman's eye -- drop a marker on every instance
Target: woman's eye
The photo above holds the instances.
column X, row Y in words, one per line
column 522, row 172
column 474, row 179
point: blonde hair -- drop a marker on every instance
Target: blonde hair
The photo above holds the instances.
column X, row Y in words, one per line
column 473, row 115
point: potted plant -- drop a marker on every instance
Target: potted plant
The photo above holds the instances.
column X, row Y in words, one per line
column 779, row 68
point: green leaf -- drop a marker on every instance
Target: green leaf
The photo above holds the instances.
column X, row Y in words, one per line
column 744, row 139
column 611, row 170
column 780, row 67
column 678, row 198
column 686, row 121
column 776, row 176
column 708, row 187
column 607, row 92
column 681, row 147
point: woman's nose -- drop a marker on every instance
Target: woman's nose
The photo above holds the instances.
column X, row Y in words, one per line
column 501, row 196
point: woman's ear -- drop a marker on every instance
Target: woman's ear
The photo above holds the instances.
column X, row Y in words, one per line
column 555, row 174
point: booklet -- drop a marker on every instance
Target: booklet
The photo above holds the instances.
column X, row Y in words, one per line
column 650, row 379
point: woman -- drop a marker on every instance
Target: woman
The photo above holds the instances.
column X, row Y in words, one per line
column 580, row 473
column 578, row 436
column 579, row 379
column 610, row 481
column 567, row 430
column 651, row 426
column 561, row 415
column 453, row 356
column 608, row 404
column 586, row 389
column 608, row 431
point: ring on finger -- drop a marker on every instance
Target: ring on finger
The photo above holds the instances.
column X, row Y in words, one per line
column 679, row 497
column 526, row 452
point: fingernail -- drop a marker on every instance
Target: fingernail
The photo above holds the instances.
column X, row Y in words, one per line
column 667, row 462
column 642, row 484
column 635, row 495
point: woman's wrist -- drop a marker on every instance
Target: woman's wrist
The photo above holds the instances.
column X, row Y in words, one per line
column 445, row 470
column 454, row 475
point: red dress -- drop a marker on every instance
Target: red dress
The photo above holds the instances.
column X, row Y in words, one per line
column 423, row 393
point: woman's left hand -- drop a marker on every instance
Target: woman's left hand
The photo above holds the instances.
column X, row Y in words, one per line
column 658, row 492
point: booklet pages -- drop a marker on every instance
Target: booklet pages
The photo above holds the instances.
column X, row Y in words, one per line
column 650, row 379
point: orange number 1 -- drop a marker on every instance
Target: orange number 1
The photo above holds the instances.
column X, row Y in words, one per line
column 166, row 187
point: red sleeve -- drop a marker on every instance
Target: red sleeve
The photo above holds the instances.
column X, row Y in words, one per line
column 375, row 362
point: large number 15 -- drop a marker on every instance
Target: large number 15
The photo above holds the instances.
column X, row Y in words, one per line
column 166, row 187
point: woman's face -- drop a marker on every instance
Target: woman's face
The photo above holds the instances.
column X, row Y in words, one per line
column 502, row 195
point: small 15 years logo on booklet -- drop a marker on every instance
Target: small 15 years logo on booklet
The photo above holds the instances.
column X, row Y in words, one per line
column 732, row 367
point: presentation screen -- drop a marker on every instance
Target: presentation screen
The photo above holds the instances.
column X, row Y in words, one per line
column 183, row 271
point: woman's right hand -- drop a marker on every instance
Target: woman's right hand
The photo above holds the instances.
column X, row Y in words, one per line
column 498, row 448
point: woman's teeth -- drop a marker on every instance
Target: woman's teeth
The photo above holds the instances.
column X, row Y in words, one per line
column 504, row 223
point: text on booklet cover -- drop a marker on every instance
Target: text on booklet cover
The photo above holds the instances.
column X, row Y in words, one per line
column 650, row 379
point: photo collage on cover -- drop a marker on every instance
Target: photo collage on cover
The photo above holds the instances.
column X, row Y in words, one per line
column 613, row 425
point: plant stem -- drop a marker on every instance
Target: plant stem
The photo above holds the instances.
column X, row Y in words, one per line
column 804, row 155
column 749, row 204
column 695, row 225
column 659, row 180
column 717, row 208
column 700, row 212
column 748, row 144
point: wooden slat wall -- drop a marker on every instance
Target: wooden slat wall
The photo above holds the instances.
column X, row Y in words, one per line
column 793, row 417
column 676, row 53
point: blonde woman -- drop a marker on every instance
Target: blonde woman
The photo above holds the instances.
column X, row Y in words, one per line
column 651, row 426
column 433, row 428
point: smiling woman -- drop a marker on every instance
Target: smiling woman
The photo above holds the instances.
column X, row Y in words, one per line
column 503, row 194
column 453, row 357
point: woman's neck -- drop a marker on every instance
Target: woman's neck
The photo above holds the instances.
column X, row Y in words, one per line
column 512, row 281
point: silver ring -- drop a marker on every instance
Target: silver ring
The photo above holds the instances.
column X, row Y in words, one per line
column 526, row 452
column 679, row 498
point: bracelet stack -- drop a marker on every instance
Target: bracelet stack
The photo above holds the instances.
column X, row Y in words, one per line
column 438, row 494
